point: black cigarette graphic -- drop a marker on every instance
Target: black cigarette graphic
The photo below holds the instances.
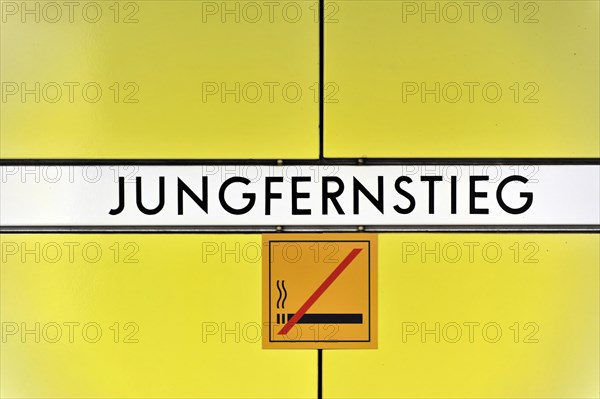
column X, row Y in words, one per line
column 324, row 318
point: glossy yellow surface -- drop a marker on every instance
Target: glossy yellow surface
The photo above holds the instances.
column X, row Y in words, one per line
column 187, row 79
column 194, row 303
column 421, row 79
column 548, row 284
column 177, row 79
column 186, row 294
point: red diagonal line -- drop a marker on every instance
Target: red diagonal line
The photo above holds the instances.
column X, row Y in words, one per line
column 313, row 298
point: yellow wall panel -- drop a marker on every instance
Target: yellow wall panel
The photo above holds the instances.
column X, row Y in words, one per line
column 462, row 79
column 477, row 316
column 194, row 307
column 159, row 79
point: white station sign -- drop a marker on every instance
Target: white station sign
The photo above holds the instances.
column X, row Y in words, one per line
column 299, row 195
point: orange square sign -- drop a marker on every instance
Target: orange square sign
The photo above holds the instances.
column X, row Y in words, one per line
column 320, row 291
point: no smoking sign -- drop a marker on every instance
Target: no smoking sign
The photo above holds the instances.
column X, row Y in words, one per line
column 320, row 291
